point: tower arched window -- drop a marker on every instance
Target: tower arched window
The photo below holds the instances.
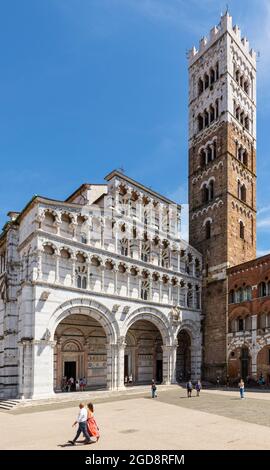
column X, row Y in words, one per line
column 212, row 113
column 217, row 108
column 214, row 149
column 205, row 194
column 217, row 71
column 211, row 190
column 206, row 81
column 209, row 154
column 206, row 119
column 200, row 123
column 208, row 230
column 243, row 193
column 246, row 123
column 242, row 230
column 200, row 86
column 212, row 76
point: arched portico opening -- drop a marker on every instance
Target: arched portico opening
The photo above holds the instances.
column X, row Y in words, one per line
column 80, row 352
column 183, row 356
column 143, row 357
column 263, row 364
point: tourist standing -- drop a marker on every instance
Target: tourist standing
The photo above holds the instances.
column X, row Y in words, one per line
column 84, row 383
column 189, row 388
column 242, row 388
column 92, row 427
column 82, row 428
column 154, row 389
column 198, row 387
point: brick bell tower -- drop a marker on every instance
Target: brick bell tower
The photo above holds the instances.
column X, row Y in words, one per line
column 222, row 173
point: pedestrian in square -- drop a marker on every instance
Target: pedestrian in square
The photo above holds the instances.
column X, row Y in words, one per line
column 189, row 388
column 198, row 387
column 82, row 425
column 241, row 388
column 154, row 389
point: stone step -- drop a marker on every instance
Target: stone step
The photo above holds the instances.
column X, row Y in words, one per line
column 8, row 404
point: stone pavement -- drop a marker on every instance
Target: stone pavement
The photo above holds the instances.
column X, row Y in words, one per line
column 215, row 420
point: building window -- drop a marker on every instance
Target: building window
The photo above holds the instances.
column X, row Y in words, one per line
column 242, row 230
column 208, row 230
column 231, row 297
column 83, row 238
column 262, row 289
column 240, row 324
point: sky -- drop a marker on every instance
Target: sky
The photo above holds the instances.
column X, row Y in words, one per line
column 88, row 86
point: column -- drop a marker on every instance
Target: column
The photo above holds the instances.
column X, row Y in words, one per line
column 116, row 238
column 112, row 367
column 254, row 347
column 102, row 269
column 42, row 369
column 73, row 275
column 170, row 290
column 59, row 371
column 39, row 264
column 115, row 280
column 166, row 364
column 178, row 294
column 178, row 261
column 150, row 288
column 102, row 232
column 128, row 283
column 120, row 363
column 160, row 254
column 173, row 361
column 196, row 357
column 160, row 290
column 139, row 285
column 57, row 269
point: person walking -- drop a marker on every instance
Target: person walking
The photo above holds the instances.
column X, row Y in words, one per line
column 189, row 388
column 198, row 387
column 92, row 427
column 154, row 389
column 82, row 428
column 242, row 388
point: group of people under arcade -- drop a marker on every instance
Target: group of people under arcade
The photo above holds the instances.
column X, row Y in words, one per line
column 72, row 385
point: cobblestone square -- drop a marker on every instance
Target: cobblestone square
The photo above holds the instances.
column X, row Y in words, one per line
column 215, row 420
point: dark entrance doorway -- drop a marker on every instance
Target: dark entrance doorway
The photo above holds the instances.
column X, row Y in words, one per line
column 70, row 371
column 244, row 363
column 126, row 369
column 159, row 366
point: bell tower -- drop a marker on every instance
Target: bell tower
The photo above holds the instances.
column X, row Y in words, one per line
column 222, row 172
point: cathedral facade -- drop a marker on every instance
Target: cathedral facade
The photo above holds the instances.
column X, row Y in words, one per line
column 99, row 286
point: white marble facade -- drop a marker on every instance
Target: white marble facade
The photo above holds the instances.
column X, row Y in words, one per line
column 98, row 286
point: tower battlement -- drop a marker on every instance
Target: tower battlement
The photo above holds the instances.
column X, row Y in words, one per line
column 216, row 32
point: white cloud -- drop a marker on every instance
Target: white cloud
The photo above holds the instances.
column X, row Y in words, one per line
column 262, row 252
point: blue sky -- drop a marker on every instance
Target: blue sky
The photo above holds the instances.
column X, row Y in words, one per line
column 87, row 86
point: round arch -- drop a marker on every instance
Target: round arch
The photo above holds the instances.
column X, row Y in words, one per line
column 105, row 319
column 154, row 316
column 89, row 308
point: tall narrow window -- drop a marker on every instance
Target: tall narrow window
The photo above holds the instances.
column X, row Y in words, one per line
column 211, row 190
column 208, row 230
column 242, row 230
